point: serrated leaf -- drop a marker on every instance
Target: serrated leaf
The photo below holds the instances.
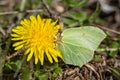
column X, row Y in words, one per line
column 78, row 44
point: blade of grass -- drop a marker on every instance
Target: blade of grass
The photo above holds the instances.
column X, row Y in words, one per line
column 22, row 7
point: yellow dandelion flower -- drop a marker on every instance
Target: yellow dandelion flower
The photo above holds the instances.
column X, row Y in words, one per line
column 39, row 38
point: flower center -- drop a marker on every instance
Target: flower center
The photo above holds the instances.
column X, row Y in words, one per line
column 42, row 39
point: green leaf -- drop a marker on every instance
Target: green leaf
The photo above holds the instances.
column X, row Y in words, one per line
column 76, row 3
column 115, row 45
column 81, row 16
column 93, row 17
column 56, row 71
column 41, row 75
column 78, row 44
column 25, row 73
column 70, row 22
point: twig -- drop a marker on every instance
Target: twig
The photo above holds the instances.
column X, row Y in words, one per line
column 2, row 31
column 13, row 55
column 52, row 15
column 19, row 67
column 91, row 67
column 31, row 69
column 47, row 8
column 110, row 30
column 16, row 12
